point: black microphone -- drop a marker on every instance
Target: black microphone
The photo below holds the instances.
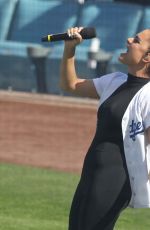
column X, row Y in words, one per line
column 86, row 33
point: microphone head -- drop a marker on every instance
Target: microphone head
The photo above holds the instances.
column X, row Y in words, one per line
column 88, row 33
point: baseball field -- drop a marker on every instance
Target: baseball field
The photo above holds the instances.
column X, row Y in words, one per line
column 43, row 141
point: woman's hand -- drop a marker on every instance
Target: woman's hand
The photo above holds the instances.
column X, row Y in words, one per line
column 74, row 33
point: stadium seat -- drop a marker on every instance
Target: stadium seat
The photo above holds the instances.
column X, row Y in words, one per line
column 32, row 20
column 113, row 21
column 16, row 71
column 145, row 22
column 142, row 2
column 99, row 0
column 7, row 8
column 37, row 18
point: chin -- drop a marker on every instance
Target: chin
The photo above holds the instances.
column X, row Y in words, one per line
column 122, row 58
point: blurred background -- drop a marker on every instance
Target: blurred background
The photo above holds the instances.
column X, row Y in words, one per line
column 45, row 132
column 27, row 64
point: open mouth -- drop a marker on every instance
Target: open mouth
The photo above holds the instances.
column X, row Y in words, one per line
column 126, row 50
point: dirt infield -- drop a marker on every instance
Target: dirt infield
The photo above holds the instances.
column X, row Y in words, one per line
column 46, row 131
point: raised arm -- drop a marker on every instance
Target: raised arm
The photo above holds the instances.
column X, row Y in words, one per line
column 69, row 81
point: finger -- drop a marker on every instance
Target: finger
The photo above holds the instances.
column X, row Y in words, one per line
column 75, row 35
column 80, row 28
column 69, row 32
column 73, row 31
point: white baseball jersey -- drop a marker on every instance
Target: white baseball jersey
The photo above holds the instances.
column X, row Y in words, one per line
column 135, row 121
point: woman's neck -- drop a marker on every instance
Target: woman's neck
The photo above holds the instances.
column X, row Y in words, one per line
column 138, row 72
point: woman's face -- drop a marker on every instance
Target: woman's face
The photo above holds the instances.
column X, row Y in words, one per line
column 137, row 49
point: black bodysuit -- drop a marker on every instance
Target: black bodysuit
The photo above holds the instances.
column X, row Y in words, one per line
column 104, row 188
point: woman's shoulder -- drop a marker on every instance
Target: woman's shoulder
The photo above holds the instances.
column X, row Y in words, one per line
column 117, row 76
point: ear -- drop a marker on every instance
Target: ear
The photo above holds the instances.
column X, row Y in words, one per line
column 146, row 58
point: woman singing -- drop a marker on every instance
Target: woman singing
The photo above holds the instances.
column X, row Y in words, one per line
column 116, row 169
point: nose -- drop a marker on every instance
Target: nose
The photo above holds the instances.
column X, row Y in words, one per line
column 129, row 40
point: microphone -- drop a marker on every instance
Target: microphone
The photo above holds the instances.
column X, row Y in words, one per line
column 86, row 33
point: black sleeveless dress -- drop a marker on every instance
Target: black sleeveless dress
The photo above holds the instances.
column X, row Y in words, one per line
column 104, row 188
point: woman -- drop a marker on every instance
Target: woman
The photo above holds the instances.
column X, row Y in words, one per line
column 116, row 170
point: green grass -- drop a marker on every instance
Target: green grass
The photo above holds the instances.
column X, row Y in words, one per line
column 39, row 199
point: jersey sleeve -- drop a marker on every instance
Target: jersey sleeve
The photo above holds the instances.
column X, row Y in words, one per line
column 101, row 83
column 108, row 82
